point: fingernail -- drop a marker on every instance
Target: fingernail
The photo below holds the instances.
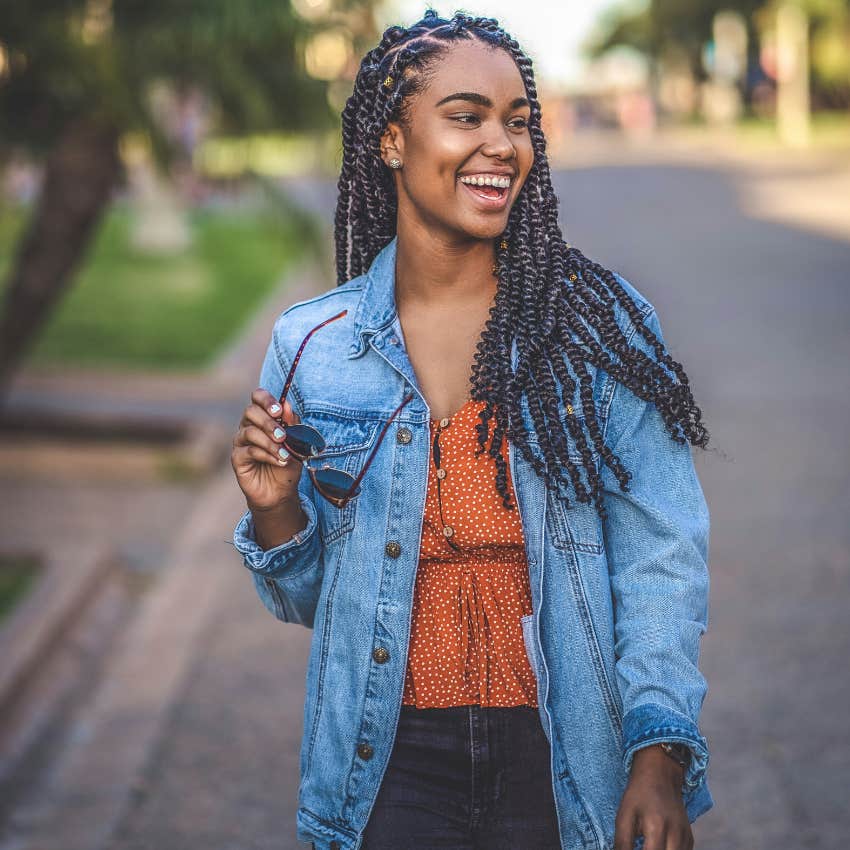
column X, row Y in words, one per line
column 279, row 433
column 283, row 453
column 275, row 408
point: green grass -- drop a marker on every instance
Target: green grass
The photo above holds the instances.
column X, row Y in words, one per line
column 17, row 575
column 128, row 309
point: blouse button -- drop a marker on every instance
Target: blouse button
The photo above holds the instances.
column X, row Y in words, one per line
column 444, row 423
column 448, row 530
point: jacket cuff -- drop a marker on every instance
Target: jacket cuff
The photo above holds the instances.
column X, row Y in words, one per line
column 275, row 562
column 651, row 723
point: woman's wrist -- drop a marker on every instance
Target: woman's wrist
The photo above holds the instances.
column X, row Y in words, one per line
column 278, row 523
column 653, row 760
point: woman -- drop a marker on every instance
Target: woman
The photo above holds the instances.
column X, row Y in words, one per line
column 507, row 598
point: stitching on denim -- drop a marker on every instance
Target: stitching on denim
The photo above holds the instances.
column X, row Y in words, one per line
column 562, row 535
column 592, row 639
column 320, row 675
column 331, row 828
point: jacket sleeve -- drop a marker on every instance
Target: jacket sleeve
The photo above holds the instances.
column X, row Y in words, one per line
column 656, row 540
column 287, row 577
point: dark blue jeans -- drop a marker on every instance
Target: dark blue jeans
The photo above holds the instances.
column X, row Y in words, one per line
column 464, row 778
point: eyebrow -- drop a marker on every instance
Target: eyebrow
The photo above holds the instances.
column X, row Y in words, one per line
column 481, row 100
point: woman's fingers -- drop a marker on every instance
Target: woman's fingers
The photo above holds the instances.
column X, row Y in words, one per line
column 285, row 414
column 255, row 415
column 256, row 436
column 255, row 453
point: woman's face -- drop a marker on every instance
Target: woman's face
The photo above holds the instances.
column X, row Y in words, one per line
column 481, row 131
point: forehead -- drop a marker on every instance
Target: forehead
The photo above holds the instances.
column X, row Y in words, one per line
column 473, row 66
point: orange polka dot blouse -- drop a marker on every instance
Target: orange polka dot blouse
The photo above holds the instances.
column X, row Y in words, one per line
column 466, row 644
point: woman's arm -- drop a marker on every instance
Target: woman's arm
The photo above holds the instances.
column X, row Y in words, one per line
column 656, row 540
column 288, row 574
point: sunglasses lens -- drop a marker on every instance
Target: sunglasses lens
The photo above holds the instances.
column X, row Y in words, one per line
column 304, row 440
column 334, row 483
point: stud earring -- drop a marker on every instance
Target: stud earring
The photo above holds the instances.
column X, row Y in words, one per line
column 395, row 163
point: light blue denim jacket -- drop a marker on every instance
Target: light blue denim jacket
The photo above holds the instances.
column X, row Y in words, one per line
column 618, row 606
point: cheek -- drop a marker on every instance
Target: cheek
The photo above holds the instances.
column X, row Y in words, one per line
column 525, row 154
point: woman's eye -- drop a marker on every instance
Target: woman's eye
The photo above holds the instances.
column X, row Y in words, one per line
column 469, row 117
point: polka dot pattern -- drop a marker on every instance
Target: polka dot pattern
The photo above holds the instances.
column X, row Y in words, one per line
column 466, row 645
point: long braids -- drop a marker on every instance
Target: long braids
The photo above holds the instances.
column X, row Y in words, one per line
column 558, row 329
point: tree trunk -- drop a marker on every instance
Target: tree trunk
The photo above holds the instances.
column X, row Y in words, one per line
column 80, row 175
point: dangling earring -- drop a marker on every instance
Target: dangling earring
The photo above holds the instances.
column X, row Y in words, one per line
column 395, row 163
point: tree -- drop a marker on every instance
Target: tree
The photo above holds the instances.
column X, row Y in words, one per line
column 685, row 24
column 75, row 77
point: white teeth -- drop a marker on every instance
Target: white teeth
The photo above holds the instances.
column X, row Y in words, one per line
column 487, row 180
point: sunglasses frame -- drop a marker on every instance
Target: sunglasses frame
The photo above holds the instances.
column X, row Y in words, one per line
column 352, row 492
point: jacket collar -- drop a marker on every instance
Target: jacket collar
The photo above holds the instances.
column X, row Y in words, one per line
column 376, row 307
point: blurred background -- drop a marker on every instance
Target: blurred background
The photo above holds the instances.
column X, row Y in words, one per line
column 167, row 186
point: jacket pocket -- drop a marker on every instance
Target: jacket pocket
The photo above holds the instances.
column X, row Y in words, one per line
column 577, row 528
column 348, row 442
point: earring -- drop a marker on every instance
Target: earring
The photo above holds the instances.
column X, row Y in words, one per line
column 395, row 163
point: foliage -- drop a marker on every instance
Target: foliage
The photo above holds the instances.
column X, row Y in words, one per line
column 100, row 58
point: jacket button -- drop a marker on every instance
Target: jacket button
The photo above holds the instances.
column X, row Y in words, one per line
column 404, row 436
column 380, row 655
column 393, row 549
column 365, row 751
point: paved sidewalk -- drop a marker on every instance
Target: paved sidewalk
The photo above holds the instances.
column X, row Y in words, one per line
column 179, row 532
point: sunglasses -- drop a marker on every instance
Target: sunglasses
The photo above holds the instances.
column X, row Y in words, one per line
column 305, row 443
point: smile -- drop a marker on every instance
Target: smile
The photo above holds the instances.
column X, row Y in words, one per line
column 487, row 197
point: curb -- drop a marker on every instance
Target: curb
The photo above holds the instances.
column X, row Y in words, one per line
column 59, row 599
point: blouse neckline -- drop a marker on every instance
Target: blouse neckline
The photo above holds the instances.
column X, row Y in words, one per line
column 457, row 413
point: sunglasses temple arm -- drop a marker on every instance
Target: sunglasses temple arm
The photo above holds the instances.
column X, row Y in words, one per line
column 297, row 357
column 353, row 488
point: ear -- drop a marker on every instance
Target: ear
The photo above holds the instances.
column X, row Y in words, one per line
column 392, row 142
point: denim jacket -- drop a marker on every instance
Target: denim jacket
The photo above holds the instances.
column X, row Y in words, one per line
column 618, row 606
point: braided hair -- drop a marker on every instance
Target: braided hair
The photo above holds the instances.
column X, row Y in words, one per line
column 532, row 305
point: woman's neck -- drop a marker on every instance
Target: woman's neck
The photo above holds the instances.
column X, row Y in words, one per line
column 433, row 271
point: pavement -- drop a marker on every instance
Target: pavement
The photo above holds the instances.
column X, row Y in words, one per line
column 191, row 738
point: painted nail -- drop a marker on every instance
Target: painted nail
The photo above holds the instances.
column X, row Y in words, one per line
column 283, row 453
column 279, row 433
column 275, row 408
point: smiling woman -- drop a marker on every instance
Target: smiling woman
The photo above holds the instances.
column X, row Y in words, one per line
column 506, row 631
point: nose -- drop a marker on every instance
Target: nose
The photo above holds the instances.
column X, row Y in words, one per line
column 500, row 144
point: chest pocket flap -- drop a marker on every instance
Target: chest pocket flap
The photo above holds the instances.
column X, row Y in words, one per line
column 348, row 442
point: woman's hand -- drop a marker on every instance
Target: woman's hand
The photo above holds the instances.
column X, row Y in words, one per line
column 267, row 479
column 652, row 804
